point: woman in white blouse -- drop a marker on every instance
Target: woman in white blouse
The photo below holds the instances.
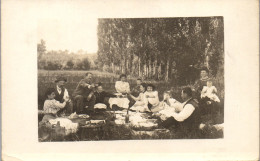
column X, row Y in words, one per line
column 141, row 104
column 122, row 88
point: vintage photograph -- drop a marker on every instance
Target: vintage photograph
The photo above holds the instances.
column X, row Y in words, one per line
column 130, row 79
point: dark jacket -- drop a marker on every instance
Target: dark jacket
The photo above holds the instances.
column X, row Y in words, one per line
column 100, row 97
column 59, row 97
column 194, row 120
column 82, row 90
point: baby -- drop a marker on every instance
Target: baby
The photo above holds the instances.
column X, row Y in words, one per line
column 210, row 92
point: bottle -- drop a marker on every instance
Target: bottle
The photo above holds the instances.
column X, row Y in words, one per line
column 127, row 117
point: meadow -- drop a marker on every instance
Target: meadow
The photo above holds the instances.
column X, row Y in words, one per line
column 47, row 79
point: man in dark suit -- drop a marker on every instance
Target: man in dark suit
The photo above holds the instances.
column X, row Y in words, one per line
column 83, row 95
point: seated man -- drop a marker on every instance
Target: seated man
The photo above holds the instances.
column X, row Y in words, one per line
column 189, row 117
column 135, row 92
column 84, row 98
column 100, row 95
column 61, row 95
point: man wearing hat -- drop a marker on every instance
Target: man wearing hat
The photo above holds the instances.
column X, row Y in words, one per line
column 61, row 94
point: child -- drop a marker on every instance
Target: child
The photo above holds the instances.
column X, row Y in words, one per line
column 51, row 106
column 210, row 92
column 141, row 102
column 152, row 98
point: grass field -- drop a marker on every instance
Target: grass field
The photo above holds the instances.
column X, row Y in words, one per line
column 46, row 79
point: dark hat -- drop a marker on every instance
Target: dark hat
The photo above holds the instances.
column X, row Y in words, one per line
column 60, row 79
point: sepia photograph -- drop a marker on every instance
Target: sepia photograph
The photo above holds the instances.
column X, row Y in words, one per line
column 130, row 79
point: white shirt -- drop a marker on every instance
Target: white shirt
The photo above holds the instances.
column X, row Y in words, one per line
column 53, row 106
column 66, row 93
column 185, row 113
column 153, row 97
column 122, row 87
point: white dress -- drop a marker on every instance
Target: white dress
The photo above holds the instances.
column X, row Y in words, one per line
column 210, row 93
column 141, row 104
column 153, row 99
column 121, row 87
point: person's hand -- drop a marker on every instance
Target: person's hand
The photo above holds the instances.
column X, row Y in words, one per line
column 147, row 96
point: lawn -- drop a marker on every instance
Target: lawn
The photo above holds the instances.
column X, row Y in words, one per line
column 114, row 132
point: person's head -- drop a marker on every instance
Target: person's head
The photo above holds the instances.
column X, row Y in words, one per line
column 166, row 95
column 99, row 87
column 88, row 76
column 209, row 83
column 186, row 93
column 60, row 81
column 50, row 93
column 142, row 87
column 123, row 77
column 150, row 87
column 138, row 81
column 204, row 72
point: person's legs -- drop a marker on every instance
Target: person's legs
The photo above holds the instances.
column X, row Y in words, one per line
column 69, row 108
column 79, row 104
column 91, row 103
column 169, row 122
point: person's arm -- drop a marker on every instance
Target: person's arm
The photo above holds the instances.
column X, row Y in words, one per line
column 49, row 107
column 215, row 90
column 127, row 88
column 184, row 114
column 66, row 96
column 134, row 98
column 57, row 104
column 82, row 83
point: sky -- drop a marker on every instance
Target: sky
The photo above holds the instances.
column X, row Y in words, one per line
column 69, row 34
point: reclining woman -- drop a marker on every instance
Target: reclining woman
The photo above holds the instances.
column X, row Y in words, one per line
column 122, row 88
column 141, row 104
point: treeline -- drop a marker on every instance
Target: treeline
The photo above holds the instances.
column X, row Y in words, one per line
column 63, row 59
column 161, row 48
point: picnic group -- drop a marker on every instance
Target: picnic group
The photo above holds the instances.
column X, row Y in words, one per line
column 198, row 100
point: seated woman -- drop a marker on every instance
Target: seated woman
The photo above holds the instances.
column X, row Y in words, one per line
column 51, row 106
column 152, row 98
column 101, row 95
column 141, row 102
column 122, row 88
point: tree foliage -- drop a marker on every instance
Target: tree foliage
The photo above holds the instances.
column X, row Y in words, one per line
column 161, row 48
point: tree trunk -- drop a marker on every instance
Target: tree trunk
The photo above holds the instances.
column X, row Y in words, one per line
column 167, row 71
column 139, row 66
column 150, row 69
column 159, row 71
